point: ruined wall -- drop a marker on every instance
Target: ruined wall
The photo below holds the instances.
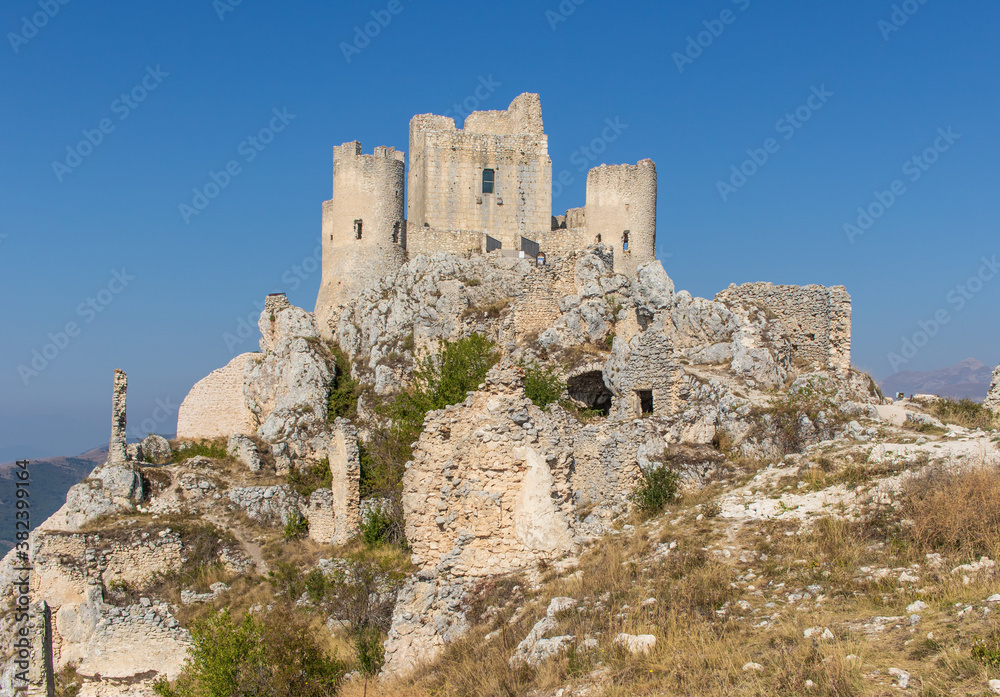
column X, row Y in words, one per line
column 622, row 198
column 817, row 319
column 537, row 303
column 370, row 189
column 215, row 406
column 446, row 174
column 645, row 364
column 488, row 490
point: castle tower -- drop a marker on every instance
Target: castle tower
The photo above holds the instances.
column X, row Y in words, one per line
column 621, row 208
column 364, row 225
column 493, row 177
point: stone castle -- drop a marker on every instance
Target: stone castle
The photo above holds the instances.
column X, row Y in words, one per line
column 473, row 190
column 496, row 484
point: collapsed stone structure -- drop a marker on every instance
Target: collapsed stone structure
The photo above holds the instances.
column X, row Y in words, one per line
column 484, row 187
column 993, row 397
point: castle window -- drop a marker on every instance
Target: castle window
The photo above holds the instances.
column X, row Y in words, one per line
column 645, row 398
column 625, row 241
column 489, row 181
column 598, row 240
column 395, row 232
column 357, row 229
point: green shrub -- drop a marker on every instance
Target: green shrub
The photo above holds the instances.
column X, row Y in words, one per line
column 378, row 527
column 275, row 655
column 657, row 488
column 459, row 367
column 542, row 384
column 287, row 580
column 987, row 650
column 297, row 527
column 308, row 479
column 215, row 449
column 344, row 391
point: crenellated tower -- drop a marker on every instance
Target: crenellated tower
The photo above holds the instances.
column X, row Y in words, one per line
column 364, row 225
column 621, row 207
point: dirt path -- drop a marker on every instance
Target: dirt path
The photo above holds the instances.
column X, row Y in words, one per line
column 251, row 548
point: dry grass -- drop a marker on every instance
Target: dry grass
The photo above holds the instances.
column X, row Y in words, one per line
column 954, row 511
column 708, row 609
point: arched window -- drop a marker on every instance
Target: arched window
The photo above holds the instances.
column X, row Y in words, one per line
column 625, row 241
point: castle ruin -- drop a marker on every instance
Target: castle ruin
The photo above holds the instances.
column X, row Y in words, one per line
column 482, row 188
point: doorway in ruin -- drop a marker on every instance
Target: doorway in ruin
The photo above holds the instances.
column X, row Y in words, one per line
column 589, row 389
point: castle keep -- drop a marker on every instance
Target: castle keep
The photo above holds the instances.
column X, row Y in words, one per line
column 485, row 187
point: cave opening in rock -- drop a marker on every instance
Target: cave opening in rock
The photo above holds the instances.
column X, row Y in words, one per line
column 590, row 390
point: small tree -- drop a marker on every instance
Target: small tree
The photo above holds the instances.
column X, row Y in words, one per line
column 657, row 488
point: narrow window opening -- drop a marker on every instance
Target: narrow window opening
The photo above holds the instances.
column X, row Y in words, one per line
column 395, row 232
column 357, row 229
column 625, row 241
column 645, row 402
column 598, row 239
column 331, row 238
column 489, row 181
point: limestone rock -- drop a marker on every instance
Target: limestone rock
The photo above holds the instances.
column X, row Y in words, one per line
column 636, row 644
column 155, row 449
column 993, row 397
column 287, row 387
column 244, row 451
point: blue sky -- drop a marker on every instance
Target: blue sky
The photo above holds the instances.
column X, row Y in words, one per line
column 171, row 93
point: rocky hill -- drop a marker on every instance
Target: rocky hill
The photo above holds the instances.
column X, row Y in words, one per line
column 485, row 477
column 52, row 479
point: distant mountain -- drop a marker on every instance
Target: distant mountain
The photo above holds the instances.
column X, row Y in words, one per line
column 968, row 379
column 50, row 479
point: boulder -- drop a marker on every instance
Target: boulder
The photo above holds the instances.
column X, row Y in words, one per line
column 155, row 449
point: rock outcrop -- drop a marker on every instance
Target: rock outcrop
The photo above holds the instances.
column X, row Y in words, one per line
column 993, row 396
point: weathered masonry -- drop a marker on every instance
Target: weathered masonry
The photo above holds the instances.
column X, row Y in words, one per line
column 483, row 188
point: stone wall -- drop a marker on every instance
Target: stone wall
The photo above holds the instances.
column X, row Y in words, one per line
column 537, row 303
column 345, row 468
column 644, row 367
column 816, row 319
column 369, row 189
column 488, row 491
column 215, row 406
column 993, row 397
column 446, row 176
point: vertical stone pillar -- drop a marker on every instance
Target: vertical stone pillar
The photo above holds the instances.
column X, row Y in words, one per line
column 345, row 468
column 117, row 451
